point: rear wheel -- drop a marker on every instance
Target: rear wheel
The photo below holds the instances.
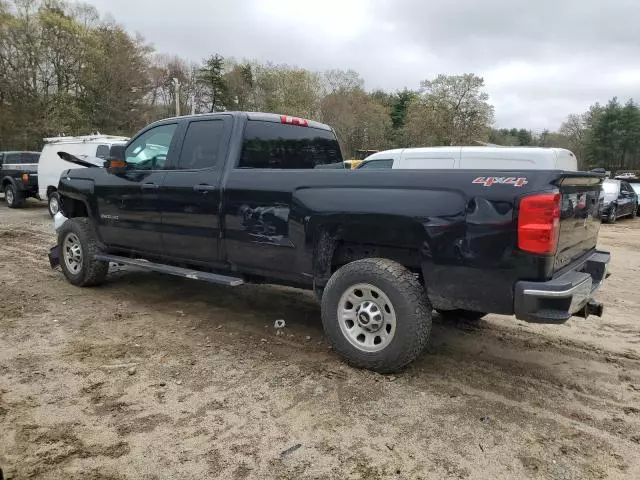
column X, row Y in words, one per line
column 376, row 314
column 54, row 203
column 460, row 313
column 12, row 196
column 77, row 247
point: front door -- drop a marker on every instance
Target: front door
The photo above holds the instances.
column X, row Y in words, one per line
column 128, row 203
column 190, row 193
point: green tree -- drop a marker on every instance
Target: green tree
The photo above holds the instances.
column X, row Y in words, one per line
column 451, row 110
column 359, row 119
column 630, row 125
column 211, row 77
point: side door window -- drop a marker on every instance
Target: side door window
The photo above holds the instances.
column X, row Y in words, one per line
column 149, row 151
column 202, row 145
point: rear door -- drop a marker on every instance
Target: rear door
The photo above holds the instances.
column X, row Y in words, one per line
column 190, row 192
column 262, row 222
column 579, row 218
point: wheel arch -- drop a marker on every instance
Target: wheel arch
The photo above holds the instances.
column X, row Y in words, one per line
column 347, row 239
column 8, row 180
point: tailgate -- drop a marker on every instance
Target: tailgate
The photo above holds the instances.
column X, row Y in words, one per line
column 579, row 217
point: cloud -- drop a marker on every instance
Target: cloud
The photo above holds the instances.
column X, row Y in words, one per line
column 540, row 60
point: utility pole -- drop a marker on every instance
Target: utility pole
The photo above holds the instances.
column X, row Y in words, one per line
column 176, row 84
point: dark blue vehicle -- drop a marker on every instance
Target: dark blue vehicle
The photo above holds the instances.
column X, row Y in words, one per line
column 619, row 200
column 252, row 197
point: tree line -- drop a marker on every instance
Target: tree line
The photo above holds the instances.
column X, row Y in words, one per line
column 65, row 70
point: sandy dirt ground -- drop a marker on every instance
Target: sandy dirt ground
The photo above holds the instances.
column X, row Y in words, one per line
column 155, row 377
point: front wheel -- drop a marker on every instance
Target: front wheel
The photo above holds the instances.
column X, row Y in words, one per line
column 613, row 215
column 376, row 314
column 54, row 203
column 77, row 248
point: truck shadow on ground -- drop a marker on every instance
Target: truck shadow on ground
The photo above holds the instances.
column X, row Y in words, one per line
column 494, row 360
column 497, row 344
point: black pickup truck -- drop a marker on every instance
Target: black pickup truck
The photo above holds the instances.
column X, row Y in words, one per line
column 254, row 197
column 19, row 176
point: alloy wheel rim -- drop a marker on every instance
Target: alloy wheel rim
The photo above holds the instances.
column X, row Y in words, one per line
column 72, row 253
column 367, row 318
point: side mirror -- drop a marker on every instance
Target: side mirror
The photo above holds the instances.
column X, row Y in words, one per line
column 116, row 161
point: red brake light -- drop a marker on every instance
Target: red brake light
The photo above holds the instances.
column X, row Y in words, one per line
column 539, row 223
column 301, row 122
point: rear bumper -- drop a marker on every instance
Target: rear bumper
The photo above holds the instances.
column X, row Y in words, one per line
column 569, row 294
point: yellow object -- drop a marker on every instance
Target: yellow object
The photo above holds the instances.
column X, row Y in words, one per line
column 352, row 163
column 359, row 157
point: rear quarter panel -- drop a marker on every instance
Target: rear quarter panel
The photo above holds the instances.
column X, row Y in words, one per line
column 465, row 232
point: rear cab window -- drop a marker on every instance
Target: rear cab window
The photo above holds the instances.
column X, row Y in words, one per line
column 29, row 158
column 275, row 145
column 12, row 159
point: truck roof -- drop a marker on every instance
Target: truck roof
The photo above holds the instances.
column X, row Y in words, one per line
column 262, row 116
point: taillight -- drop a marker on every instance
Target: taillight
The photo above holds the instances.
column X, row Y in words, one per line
column 539, row 223
column 301, row 122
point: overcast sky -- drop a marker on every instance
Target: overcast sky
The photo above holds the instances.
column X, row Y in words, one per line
column 540, row 60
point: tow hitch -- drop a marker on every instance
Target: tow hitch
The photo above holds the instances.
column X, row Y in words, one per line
column 591, row 308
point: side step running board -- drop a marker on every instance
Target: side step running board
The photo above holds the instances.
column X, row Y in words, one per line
column 171, row 270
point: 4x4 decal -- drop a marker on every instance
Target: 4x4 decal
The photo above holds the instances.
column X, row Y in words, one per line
column 489, row 181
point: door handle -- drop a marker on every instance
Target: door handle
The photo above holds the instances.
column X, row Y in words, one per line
column 203, row 187
column 150, row 186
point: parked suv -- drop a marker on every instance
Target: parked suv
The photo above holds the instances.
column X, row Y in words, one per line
column 19, row 176
column 240, row 197
column 619, row 200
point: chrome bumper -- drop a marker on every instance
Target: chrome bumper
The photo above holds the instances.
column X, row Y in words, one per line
column 558, row 299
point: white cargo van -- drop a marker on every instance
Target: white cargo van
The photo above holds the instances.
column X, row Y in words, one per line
column 474, row 158
column 51, row 165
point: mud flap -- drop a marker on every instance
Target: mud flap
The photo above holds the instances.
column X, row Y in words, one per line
column 54, row 257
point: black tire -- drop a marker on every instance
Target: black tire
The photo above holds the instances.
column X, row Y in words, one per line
column 410, row 304
column 53, row 200
column 91, row 272
column 634, row 212
column 12, row 196
column 459, row 313
column 613, row 215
